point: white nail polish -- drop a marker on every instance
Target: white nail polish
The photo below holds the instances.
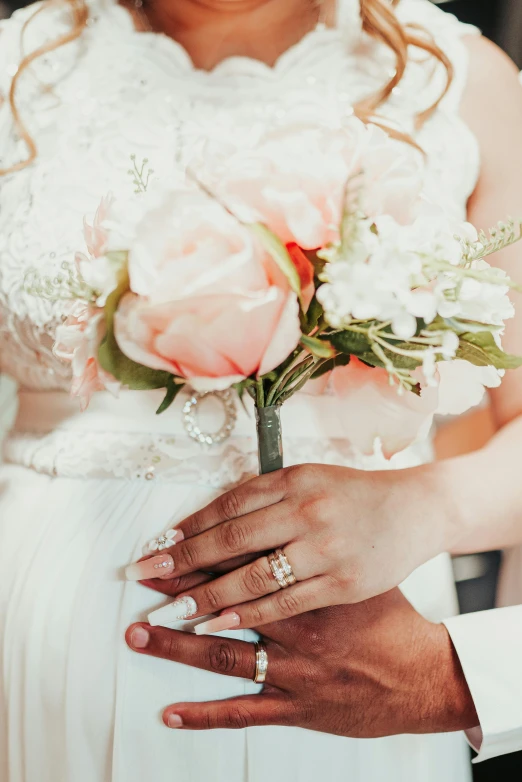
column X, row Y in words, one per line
column 172, row 613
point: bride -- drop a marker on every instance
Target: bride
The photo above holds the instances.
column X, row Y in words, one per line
column 97, row 97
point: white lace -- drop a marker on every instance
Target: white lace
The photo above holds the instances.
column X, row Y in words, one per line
column 117, row 92
column 162, row 457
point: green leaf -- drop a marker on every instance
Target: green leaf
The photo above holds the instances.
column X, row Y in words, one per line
column 313, row 315
column 317, row 347
column 317, row 263
column 460, row 326
column 481, row 350
column 279, row 253
column 341, row 360
column 173, row 390
column 112, row 360
column 359, row 345
column 114, row 298
column 399, row 362
column 247, row 385
column 350, row 342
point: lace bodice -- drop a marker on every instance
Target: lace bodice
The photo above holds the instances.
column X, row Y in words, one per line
column 116, row 92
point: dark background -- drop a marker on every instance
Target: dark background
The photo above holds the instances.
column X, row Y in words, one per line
column 500, row 20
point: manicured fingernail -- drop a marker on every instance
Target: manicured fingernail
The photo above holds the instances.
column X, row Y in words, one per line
column 174, row 721
column 224, row 622
column 139, row 638
column 172, row 613
column 157, row 567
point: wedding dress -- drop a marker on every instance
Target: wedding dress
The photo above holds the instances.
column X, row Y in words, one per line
column 81, row 493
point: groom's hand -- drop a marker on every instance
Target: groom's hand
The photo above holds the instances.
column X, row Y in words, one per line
column 367, row 670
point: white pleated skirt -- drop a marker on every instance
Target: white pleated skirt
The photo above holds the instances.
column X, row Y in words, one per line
column 76, row 705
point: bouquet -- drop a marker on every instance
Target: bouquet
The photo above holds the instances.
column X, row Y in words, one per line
column 311, row 256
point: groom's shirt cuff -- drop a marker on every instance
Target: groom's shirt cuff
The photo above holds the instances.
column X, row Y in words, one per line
column 489, row 646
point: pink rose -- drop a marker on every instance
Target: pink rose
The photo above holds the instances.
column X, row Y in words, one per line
column 295, row 179
column 375, row 409
column 77, row 341
column 207, row 302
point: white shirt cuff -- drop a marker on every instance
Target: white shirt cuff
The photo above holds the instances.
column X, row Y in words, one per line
column 489, row 646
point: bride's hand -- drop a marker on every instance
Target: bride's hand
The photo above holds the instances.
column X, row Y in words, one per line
column 349, row 535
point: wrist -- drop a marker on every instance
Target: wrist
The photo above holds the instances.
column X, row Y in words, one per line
column 442, row 495
column 430, row 513
column 447, row 698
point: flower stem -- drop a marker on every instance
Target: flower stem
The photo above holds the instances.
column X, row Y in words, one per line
column 282, row 380
column 260, row 394
column 305, row 377
column 269, row 438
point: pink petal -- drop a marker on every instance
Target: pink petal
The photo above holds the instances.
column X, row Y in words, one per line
column 375, row 410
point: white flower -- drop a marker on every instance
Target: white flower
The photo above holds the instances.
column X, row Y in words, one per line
column 385, row 278
column 100, row 273
column 483, row 301
column 429, row 367
column 168, row 539
column 468, row 232
column 404, row 325
column 450, row 344
column 397, row 273
column 462, row 385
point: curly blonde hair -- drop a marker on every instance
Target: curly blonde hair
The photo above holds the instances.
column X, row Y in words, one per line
column 379, row 21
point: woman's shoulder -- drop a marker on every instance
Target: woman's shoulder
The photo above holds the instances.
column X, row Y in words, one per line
column 441, row 24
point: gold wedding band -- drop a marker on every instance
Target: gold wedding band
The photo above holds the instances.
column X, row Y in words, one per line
column 281, row 568
column 261, row 663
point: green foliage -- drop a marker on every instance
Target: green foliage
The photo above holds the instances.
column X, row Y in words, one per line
column 173, row 390
column 459, row 326
column 398, row 361
column 318, row 264
column 248, row 385
column 317, row 347
column 313, row 315
column 481, row 350
column 353, row 343
column 502, row 235
column 359, row 344
column 140, row 174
